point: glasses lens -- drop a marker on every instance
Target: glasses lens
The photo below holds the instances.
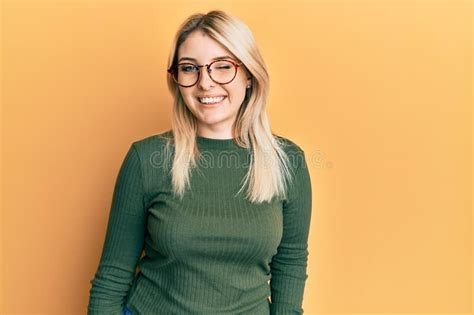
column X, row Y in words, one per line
column 221, row 71
column 186, row 74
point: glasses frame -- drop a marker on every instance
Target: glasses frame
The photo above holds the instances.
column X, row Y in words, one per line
column 172, row 70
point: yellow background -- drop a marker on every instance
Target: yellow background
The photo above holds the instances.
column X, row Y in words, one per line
column 377, row 93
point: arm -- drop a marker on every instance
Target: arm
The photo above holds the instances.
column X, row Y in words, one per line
column 288, row 266
column 123, row 241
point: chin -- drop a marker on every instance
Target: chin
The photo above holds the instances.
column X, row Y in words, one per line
column 210, row 122
column 213, row 119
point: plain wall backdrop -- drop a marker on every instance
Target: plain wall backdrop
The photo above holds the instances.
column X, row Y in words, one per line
column 377, row 93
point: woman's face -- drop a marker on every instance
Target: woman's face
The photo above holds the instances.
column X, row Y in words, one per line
column 214, row 121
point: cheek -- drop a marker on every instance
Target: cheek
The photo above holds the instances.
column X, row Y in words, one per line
column 238, row 93
column 187, row 96
column 238, row 90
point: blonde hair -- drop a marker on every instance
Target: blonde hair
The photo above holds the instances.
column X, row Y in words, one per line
column 269, row 167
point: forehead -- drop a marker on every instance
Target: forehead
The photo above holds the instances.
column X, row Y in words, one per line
column 201, row 48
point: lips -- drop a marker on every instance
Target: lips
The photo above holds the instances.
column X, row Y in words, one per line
column 223, row 98
column 210, row 105
column 203, row 96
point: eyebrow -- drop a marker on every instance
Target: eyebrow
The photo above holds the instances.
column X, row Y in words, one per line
column 215, row 58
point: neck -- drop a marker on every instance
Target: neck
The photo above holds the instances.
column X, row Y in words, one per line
column 215, row 134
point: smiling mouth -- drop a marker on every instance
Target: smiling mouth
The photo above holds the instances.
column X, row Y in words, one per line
column 211, row 103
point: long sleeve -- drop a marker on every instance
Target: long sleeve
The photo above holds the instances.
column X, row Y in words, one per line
column 288, row 266
column 124, row 240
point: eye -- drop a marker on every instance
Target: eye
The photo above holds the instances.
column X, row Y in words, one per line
column 187, row 68
column 223, row 65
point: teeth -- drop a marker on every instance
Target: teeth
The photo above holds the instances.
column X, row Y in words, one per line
column 211, row 100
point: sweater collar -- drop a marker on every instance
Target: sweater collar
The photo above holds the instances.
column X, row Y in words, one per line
column 211, row 143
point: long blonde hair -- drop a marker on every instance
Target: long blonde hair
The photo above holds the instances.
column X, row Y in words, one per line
column 269, row 173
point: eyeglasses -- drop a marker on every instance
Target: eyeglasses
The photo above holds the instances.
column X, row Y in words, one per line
column 220, row 71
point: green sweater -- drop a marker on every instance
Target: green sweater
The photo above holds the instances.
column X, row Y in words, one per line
column 209, row 253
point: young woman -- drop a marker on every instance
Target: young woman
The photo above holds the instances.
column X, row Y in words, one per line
column 219, row 205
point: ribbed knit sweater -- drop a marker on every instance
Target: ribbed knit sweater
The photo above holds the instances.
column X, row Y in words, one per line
column 211, row 252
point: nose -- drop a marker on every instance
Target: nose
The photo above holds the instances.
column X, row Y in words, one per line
column 205, row 80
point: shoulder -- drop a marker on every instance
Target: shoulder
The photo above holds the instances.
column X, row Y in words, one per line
column 149, row 155
column 288, row 145
column 152, row 150
column 294, row 152
column 153, row 142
